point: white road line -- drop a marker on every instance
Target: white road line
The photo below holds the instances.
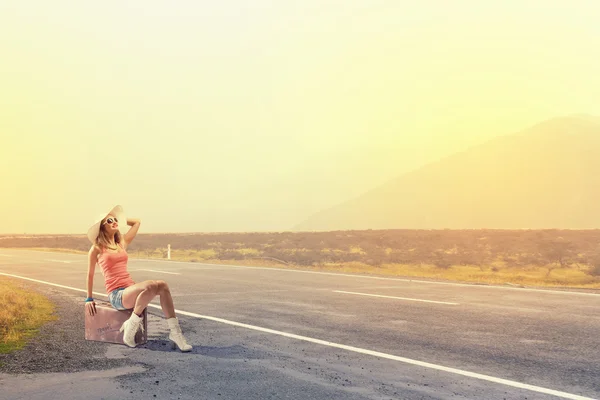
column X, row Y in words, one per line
column 6, row 255
column 394, row 297
column 225, row 293
column 48, row 252
column 154, row 270
column 51, row 284
column 410, row 361
column 60, row 261
column 380, row 287
column 206, row 268
column 470, row 285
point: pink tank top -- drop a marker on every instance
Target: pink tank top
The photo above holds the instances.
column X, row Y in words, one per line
column 114, row 269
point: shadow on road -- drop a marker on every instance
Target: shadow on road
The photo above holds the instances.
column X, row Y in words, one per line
column 235, row 351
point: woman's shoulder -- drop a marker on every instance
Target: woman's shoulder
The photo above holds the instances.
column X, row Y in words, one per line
column 95, row 249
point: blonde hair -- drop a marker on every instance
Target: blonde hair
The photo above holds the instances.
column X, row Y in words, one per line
column 103, row 239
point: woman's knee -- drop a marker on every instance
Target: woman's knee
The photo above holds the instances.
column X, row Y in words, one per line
column 151, row 287
column 162, row 286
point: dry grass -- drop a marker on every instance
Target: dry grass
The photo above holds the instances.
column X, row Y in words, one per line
column 529, row 276
column 21, row 314
column 495, row 273
column 53, row 250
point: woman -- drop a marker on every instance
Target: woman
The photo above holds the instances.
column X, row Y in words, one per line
column 109, row 251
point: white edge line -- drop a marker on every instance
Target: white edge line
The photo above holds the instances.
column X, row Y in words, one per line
column 469, row 374
column 472, row 285
column 154, row 270
column 60, row 261
column 41, row 251
column 394, row 297
column 51, row 284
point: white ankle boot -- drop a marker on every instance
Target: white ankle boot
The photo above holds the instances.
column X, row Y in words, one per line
column 130, row 328
column 176, row 336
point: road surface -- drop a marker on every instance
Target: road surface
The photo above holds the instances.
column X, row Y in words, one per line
column 264, row 333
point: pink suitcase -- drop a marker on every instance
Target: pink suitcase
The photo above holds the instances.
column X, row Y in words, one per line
column 105, row 325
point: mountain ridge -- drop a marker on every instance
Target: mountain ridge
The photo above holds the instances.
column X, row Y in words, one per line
column 550, row 167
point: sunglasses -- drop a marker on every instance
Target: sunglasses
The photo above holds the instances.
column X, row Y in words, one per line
column 110, row 220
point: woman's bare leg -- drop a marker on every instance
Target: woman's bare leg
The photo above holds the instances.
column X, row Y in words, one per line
column 166, row 300
column 131, row 293
column 141, row 294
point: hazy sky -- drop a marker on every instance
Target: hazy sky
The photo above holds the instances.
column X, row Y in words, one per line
column 251, row 115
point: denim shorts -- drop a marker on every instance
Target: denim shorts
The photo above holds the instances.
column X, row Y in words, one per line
column 116, row 299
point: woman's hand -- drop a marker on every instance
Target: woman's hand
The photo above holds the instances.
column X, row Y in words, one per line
column 133, row 221
column 90, row 307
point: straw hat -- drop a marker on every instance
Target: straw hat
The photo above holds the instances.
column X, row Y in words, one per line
column 117, row 211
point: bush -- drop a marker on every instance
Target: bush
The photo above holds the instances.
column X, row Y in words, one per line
column 230, row 255
column 595, row 270
column 442, row 263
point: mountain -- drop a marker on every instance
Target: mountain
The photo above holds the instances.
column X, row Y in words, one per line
column 547, row 176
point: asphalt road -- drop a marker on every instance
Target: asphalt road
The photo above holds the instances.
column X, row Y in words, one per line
column 263, row 333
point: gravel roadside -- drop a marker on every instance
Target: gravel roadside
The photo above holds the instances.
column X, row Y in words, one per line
column 60, row 345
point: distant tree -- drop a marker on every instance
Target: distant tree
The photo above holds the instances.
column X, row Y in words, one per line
column 230, row 255
column 594, row 261
column 533, row 258
column 472, row 257
column 442, row 260
column 595, row 270
column 557, row 252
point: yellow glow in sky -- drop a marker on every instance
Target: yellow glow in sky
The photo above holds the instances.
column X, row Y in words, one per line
column 252, row 115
